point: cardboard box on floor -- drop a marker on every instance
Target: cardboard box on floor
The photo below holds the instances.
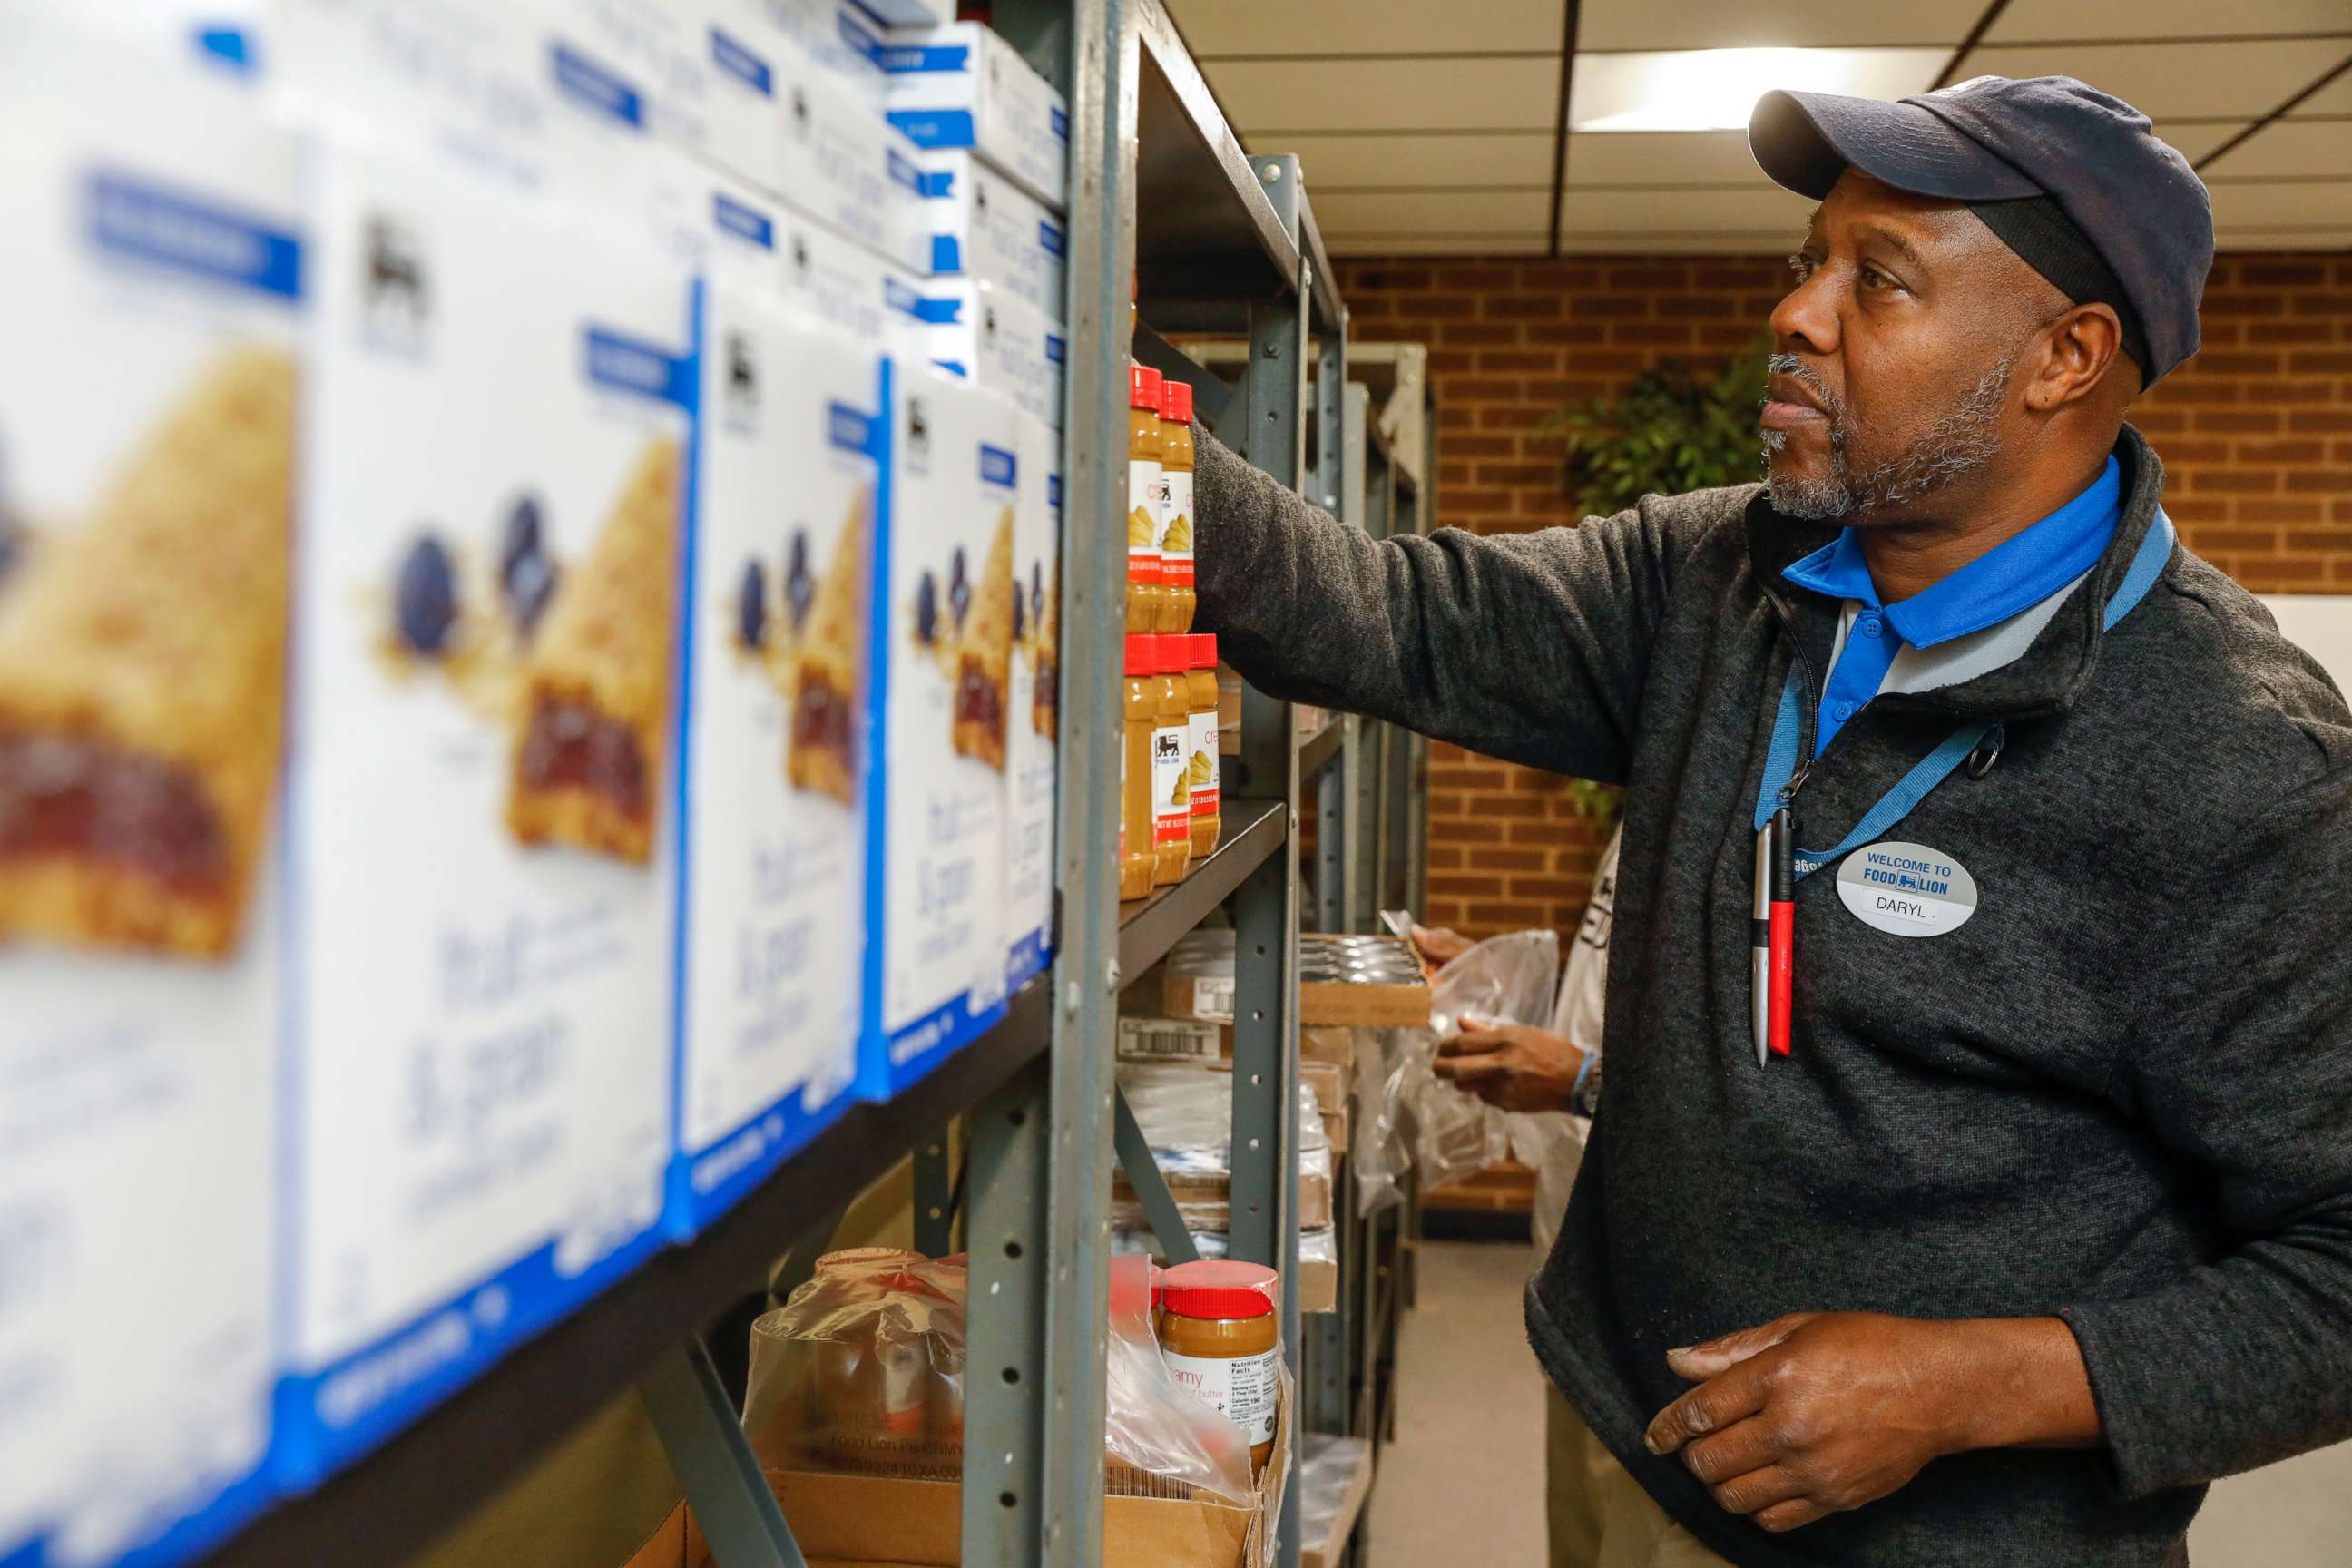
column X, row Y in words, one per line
column 878, row 1521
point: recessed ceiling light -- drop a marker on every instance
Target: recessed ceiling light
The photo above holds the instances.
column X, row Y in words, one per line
column 1713, row 89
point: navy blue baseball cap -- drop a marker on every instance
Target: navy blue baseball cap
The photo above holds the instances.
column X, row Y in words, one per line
column 2074, row 180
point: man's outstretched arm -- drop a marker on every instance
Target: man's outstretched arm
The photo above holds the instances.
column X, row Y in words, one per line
column 1530, row 647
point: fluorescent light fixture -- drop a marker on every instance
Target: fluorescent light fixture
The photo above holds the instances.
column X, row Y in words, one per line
column 1713, row 89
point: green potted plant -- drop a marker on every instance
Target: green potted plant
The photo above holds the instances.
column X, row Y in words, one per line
column 1674, row 428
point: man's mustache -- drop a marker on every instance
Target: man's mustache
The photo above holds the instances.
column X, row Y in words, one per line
column 1796, row 370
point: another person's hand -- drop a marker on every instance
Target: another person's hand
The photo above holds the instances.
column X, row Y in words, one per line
column 1438, row 946
column 1513, row 1066
column 1821, row 1411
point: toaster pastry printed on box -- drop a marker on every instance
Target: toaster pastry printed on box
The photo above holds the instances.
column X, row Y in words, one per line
column 152, row 292
column 774, row 874
column 495, row 490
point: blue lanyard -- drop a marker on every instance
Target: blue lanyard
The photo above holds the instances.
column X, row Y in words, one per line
column 1781, row 761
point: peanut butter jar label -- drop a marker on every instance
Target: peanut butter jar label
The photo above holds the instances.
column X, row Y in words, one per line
column 1241, row 1389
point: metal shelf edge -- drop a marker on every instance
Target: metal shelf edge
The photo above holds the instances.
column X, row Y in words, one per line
column 1164, row 48
column 389, row 1504
column 1148, row 927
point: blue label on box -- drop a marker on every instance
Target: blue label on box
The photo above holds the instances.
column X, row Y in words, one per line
column 1054, row 491
column 947, row 253
column 704, row 1183
column 1054, row 351
column 919, row 60
column 333, row 1416
column 904, row 173
column 231, row 46
column 935, row 127
column 1061, row 120
column 939, row 184
column 1026, row 961
column 134, row 217
column 741, row 64
column 189, row 1537
column 627, row 365
column 851, row 430
column 996, row 465
column 587, row 83
column 1050, row 237
column 744, row 223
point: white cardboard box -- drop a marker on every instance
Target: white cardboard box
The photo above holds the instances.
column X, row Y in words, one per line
column 851, row 168
column 447, row 79
column 774, row 877
column 962, row 86
column 703, row 74
column 998, row 342
column 150, row 304
column 984, row 227
column 939, row 700
column 838, row 36
column 499, row 423
column 715, row 226
column 851, row 289
column 1033, row 726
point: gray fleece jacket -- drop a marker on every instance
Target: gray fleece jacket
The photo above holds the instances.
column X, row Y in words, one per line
column 2120, row 1093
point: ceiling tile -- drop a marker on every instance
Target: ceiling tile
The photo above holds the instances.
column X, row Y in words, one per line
column 1336, row 163
column 1730, row 24
column 1215, row 27
column 1432, row 212
column 2335, row 99
column 2287, row 205
column 2288, row 149
column 1426, row 244
column 1616, row 87
column 2245, row 79
column 1767, row 209
column 1662, row 158
column 1260, row 96
column 2024, row 21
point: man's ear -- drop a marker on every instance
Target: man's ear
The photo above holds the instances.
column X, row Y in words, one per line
column 2082, row 351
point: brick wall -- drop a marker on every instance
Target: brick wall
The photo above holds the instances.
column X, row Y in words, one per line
column 2255, row 433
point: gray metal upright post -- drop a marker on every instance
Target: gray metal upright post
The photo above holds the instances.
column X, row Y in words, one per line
column 1264, row 1226
column 1038, row 1216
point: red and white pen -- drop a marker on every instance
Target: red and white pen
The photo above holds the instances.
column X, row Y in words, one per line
column 1760, row 943
column 1783, row 919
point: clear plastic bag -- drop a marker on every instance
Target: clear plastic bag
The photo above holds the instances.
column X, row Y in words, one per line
column 1506, row 979
column 1381, row 1141
column 1162, row 1441
column 863, row 1371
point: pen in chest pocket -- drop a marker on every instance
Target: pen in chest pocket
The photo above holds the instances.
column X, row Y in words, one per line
column 1783, row 928
column 1760, row 943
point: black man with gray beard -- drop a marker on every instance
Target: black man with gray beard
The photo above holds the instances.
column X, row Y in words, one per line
column 2045, row 1221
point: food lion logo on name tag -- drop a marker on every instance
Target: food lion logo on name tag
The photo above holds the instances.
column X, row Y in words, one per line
column 1907, row 890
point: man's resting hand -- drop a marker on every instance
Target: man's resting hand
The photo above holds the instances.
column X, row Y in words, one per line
column 1811, row 1415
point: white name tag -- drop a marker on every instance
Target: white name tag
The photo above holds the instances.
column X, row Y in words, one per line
column 1907, row 890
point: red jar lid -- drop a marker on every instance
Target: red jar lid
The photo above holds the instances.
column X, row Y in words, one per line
column 1143, row 388
column 1219, row 1287
column 1142, row 654
column 1205, row 649
column 1176, row 401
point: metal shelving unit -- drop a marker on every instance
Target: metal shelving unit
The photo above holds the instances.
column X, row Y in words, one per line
column 1161, row 191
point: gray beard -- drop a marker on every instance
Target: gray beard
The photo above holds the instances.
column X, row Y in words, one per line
column 1964, row 440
